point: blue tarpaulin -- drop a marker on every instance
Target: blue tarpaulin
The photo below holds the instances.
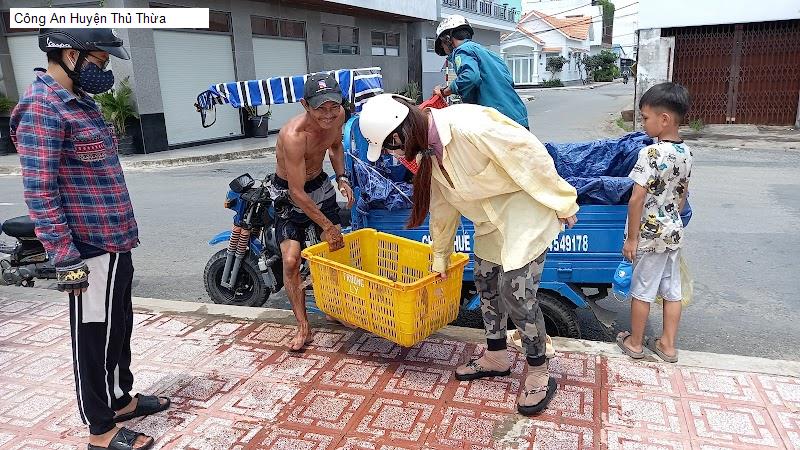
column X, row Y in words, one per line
column 597, row 169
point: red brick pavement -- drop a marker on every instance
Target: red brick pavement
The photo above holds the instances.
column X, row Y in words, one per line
column 234, row 386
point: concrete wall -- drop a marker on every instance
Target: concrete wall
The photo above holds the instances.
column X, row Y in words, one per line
column 394, row 68
column 654, row 65
column 684, row 13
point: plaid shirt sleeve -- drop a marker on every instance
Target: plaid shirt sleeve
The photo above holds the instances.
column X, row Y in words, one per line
column 39, row 137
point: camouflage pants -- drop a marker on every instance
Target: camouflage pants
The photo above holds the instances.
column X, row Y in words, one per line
column 512, row 293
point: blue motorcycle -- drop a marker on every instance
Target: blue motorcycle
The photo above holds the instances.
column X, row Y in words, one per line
column 250, row 269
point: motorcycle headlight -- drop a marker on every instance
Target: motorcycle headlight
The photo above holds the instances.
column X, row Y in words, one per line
column 242, row 183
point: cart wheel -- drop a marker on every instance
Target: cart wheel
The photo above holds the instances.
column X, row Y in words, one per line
column 559, row 316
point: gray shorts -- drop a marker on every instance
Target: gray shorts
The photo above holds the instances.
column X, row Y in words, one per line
column 657, row 274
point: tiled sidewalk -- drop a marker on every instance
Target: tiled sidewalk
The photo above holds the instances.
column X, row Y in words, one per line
column 234, row 386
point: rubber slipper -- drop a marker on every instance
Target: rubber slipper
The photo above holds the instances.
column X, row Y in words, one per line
column 124, row 440
column 552, row 386
column 147, row 404
column 651, row 344
column 621, row 344
column 480, row 372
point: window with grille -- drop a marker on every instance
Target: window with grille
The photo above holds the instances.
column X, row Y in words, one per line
column 385, row 44
column 283, row 28
column 339, row 39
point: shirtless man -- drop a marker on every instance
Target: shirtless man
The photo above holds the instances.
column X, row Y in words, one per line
column 305, row 200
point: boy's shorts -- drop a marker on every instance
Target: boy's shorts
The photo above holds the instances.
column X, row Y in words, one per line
column 657, row 274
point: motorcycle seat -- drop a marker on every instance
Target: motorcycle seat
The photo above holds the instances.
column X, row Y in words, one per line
column 19, row 227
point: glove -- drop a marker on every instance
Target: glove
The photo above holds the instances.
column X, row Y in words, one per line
column 72, row 276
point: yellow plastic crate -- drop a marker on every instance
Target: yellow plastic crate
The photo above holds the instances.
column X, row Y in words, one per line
column 383, row 283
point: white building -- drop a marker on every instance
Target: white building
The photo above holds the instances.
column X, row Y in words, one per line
column 739, row 63
column 626, row 16
column 539, row 36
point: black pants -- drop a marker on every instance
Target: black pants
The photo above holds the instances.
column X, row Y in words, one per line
column 101, row 321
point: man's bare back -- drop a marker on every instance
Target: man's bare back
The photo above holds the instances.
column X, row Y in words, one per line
column 316, row 145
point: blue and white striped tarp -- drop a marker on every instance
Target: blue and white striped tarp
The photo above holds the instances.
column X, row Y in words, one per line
column 357, row 85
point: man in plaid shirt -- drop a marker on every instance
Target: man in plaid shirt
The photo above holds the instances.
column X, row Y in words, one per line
column 78, row 200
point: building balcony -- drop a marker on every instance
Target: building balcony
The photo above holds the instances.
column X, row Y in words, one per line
column 485, row 8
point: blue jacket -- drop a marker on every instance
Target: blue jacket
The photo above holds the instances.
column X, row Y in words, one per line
column 483, row 78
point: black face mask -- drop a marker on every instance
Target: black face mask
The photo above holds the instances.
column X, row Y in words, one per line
column 89, row 77
column 389, row 142
column 94, row 80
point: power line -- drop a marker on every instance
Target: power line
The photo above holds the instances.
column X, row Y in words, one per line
column 583, row 22
column 562, row 12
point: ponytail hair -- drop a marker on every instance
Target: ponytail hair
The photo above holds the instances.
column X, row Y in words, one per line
column 414, row 130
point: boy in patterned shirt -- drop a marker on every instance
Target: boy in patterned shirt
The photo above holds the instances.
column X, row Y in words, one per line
column 654, row 234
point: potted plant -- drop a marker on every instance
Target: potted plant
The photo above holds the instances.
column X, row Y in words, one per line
column 117, row 108
column 257, row 124
column 6, row 106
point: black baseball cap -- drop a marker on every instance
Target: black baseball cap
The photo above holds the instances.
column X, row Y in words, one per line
column 321, row 88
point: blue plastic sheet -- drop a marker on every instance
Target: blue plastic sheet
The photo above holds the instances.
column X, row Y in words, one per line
column 599, row 169
column 383, row 186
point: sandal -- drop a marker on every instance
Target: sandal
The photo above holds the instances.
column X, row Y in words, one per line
column 124, row 440
column 147, row 404
column 480, row 372
column 539, row 407
column 621, row 344
column 652, row 345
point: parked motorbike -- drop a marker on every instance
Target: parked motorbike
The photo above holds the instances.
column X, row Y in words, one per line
column 23, row 261
column 250, row 270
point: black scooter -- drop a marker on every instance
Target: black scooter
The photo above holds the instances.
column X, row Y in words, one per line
column 24, row 261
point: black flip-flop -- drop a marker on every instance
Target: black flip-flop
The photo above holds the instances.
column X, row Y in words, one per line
column 552, row 386
column 124, row 440
column 147, row 404
column 480, row 373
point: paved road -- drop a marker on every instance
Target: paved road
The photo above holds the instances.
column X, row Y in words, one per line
column 742, row 242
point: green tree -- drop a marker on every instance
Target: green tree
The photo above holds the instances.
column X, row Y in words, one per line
column 608, row 19
column 555, row 64
column 603, row 67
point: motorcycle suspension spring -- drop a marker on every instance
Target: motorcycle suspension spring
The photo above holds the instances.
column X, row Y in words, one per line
column 236, row 233
column 244, row 242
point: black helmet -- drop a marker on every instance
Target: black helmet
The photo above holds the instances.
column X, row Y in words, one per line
column 87, row 40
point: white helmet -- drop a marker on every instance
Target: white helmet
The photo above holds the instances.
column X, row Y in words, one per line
column 449, row 24
column 379, row 116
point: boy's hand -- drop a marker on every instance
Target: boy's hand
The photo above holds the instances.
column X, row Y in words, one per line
column 629, row 249
column 568, row 222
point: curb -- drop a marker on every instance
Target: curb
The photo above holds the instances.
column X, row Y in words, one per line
column 173, row 162
column 199, row 159
column 594, row 85
column 610, row 350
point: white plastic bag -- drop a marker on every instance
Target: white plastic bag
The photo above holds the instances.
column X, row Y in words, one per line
column 687, row 284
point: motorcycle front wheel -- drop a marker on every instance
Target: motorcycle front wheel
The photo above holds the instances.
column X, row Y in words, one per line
column 250, row 289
